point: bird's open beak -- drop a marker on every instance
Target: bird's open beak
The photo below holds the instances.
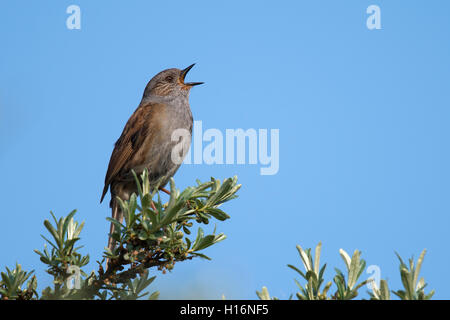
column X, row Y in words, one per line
column 184, row 73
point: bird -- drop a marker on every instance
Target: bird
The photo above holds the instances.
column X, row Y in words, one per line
column 146, row 140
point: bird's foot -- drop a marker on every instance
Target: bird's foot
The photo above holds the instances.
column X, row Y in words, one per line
column 152, row 204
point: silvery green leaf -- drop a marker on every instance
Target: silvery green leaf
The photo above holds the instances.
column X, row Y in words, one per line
column 304, row 257
column 346, row 258
column 384, row 290
column 419, row 265
column 317, row 258
column 326, row 288
column 297, row 270
column 154, row 296
column 354, row 269
column 421, row 285
column 264, row 294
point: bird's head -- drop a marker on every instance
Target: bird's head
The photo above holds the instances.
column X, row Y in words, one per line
column 170, row 82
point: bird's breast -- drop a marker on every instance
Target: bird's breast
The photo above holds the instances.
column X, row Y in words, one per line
column 169, row 140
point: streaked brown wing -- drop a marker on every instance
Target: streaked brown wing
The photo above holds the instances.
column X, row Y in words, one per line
column 130, row 142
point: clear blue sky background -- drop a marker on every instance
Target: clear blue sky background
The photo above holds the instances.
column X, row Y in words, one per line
column 363, row 118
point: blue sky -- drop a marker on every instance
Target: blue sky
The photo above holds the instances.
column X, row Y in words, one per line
column 362, row 115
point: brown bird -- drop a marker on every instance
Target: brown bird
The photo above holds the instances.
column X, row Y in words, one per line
column 146, row 140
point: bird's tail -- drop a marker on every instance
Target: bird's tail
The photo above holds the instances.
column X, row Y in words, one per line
column 118, row 215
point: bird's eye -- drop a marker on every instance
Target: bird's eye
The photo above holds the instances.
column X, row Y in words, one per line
column 169, row 78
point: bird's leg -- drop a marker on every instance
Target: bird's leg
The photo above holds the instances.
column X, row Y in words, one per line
column 153, row 206
column 168, row 192
column 164, row 190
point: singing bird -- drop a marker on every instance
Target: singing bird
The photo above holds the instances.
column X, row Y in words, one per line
column 146, row 140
